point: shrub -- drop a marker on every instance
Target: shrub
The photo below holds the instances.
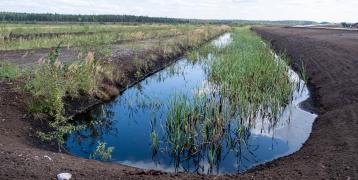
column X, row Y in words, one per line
column 102, row 152
column 48, row 87
column 52, row 80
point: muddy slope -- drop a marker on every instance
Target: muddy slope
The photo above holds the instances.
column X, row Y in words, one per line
column 331, row 60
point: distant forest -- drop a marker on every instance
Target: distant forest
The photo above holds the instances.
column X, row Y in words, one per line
column 48, row 17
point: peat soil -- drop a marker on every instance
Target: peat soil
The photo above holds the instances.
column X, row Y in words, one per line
column 330, row 58
column 29, row 57
column 331, row 61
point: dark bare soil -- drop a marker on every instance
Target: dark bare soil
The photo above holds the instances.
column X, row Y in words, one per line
column 28, row 57
column 15, row 36
column 331, row 61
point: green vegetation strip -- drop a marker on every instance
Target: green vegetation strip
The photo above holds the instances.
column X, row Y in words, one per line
column 252, row 76
column 247, row 82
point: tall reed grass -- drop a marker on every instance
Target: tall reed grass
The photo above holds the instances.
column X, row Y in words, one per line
column 248, row 82
column 252, row 76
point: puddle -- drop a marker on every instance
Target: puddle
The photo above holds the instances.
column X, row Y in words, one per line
column 126, row 124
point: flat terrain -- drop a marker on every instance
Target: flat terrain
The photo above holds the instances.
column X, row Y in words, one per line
column 331, row 61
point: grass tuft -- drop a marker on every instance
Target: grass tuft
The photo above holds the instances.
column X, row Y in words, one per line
column 8, row 71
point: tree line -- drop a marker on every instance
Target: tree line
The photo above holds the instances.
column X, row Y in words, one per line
column 49, row 17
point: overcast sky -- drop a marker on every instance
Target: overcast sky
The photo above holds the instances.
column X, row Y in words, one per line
column 317, row 10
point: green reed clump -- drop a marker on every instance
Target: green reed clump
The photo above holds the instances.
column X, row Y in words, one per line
column 247, row 81
column 182, row 127
column 195, row 124
column 251, row 76
column 179, row 131
column 8, row 71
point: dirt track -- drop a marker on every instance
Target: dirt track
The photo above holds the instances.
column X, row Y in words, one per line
column 331, row 60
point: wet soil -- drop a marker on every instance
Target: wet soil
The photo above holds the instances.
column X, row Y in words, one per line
column 331, row 61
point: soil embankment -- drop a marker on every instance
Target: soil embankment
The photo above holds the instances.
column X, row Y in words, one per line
column 331, row 61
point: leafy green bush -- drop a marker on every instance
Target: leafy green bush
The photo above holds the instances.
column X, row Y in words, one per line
column 51, row 81
column 48, row 87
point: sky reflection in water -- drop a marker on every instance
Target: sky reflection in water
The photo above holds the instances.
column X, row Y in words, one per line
column 125, row 124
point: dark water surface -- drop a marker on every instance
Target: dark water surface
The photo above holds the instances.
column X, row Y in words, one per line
column 127, row 122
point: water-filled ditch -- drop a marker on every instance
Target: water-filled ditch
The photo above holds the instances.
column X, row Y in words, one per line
column 135, row 119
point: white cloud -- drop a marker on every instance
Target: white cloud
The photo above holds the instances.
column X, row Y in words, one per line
column 318, row 10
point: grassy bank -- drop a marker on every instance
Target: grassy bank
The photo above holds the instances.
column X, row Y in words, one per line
column 54, row 86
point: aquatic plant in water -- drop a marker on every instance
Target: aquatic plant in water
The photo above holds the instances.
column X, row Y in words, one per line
column 102, row 152
column 252, row 84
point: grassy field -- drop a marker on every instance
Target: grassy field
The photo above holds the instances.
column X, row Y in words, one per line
column 23, row 36
column 18, row 28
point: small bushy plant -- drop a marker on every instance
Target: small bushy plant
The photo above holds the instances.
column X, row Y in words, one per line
column 102, row 152
column 52, row 80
